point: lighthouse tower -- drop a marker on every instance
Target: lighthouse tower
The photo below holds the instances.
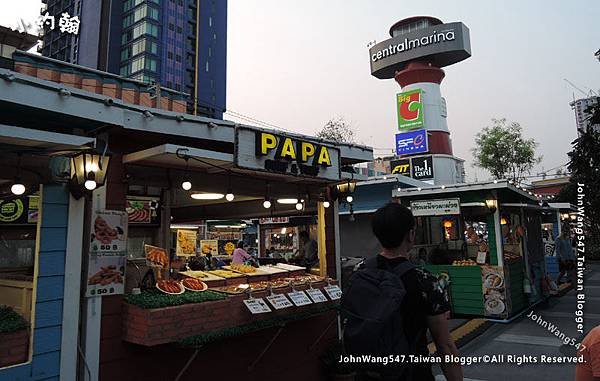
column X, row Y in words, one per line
column 414, row 56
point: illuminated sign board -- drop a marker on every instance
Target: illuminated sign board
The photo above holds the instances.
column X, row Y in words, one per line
column 400, row 167
column 411, row 142
column 410, row 109
column 293, row 155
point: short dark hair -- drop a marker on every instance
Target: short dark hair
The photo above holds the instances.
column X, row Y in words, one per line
column 304, row 234
column 240, row 245
column 391, row 223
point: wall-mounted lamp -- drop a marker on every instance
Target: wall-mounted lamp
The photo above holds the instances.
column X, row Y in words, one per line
column 88, row 171
column 492, row 205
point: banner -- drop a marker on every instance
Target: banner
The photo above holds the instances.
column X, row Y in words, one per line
column 107, row 254
column 410, row 109
column 411, row 142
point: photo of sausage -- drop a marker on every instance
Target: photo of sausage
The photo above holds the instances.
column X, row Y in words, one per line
column 105, row 276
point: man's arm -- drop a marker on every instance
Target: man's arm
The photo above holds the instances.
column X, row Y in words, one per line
column 438, row 325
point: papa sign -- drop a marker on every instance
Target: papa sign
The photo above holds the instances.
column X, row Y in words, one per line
column 410, row 109
column 287, row 148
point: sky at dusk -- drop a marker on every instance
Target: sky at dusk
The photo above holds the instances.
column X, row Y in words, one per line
column 297, row 64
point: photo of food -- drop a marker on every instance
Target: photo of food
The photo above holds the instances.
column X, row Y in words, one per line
column 493, row 281
column 186, row 243
column 106, row 275
column 209, row 246
column 109, row 232
column 495, row 306
column 156, row 256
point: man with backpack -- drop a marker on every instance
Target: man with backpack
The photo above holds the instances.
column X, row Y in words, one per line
column 390, row 303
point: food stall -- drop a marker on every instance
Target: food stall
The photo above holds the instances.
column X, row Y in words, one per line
column 485, row 239
column 184, row 203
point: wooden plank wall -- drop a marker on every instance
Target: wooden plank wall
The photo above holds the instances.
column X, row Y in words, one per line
column 466, row 292
column 45, row 363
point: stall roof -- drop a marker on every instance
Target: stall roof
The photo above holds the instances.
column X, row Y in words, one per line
column 37, row 140
column 89, row 111
column 166, row 155
column 563, row 206
column 507, row 192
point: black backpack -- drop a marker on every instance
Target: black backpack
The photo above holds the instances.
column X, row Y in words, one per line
column 371, row 310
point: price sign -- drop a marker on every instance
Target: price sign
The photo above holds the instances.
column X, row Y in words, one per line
column 279, row 301
column 299, row 298
column 334, row 292
column 257, row 306
column 316, row 295
column 481, row 257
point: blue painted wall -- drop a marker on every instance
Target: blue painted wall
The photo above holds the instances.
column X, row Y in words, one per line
column 45, row 363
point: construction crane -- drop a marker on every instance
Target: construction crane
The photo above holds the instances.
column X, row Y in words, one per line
column 588, row 94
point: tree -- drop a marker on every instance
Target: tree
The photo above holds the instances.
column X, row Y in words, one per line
column 338, row 130
column 584, row 165
column 502, row 150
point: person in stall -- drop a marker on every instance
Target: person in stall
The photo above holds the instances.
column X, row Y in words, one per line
column 308, row 255
column 240, row 255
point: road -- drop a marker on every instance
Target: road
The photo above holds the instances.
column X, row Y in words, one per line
column 525, row 336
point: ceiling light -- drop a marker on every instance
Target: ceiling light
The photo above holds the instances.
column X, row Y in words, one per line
column 349, row 198
column 207, row 196
column 326, row 204
column 287, row 201
column 186, row 185
column 266, row 204
column 229, row 196
column 299, row 206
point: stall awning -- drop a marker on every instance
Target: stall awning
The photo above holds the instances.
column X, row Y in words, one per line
column 19, row 137
column 166, row 156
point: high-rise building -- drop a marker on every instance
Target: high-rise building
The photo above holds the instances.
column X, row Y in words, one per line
column 582, row 115
column 180, row 44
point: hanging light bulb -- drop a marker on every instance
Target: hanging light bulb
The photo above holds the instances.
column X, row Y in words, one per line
column 349, row 198
column 17, row 188
column 186, row 184
column 90, row 182
column 266, row 204
column 326, row 204
column 229, row 196
column 299, row 206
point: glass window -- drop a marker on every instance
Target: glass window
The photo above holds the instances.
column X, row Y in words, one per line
column 207, row 66
column 18, row 254
column 150, row 64
column 137, row 64
column 178, row 58
column 125, row 54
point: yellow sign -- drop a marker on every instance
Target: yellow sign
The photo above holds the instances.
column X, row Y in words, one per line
column 292, row 149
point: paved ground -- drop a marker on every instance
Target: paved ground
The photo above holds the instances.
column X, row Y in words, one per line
column 526, row 337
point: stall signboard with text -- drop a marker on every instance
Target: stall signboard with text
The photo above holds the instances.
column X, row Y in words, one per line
column 292, row 155
column 273, row 220
column 107, row 254
column 435, row 207
column 410, row 109
column 411, row 142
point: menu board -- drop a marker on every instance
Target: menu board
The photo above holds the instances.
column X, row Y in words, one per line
column 107, row 253
column 209, row 246
column 142, row 211
column 494, row 283
column 186, row 243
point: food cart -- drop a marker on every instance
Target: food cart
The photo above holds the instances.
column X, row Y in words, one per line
column 485, row 239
